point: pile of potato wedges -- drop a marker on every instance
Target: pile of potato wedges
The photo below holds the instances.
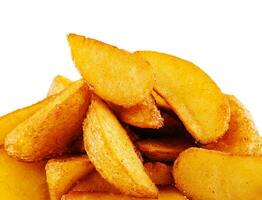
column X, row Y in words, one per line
column 142, row 125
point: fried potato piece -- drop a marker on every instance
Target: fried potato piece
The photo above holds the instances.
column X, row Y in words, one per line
column 63, row 173
column 143, row 115
column 115, row 75
column 167, row 193
column 58, row 84
column 94, row 182
column 192, row 94
column 160, row 173
column 113, row 154
column 164, row 149
column 51, row 129
column 160, row 102
column 9, row 121
column 21, row 181
column 242, row 136
column 206, row 174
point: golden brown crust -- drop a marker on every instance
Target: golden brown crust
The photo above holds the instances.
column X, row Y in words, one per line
column 108, row 144
column 50, row 130
column 192, row 94
column 63, row 173
column 207, row 174
column 94, row 182
column 242, row 137
column 115, row 75
column 143, row 115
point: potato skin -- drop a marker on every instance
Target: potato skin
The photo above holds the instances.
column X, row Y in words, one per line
column 213, row 175
column 112, row 153
column 22, row 181
column 115, row 75
column 242, row 137
column 51, row 129
column 63, row 173
column 192, row 94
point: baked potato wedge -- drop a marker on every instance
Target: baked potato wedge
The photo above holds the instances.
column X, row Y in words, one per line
column 112, row 153
column 164, row 149
column 21, row 181
column 9, row 121
column 143, row 115
column 63, row 173
column 51, row 129
column 206, row 174
column 115, row 75
column 192, row 94
column 160, row 173
column 58, row 84
column 167, row 193
column 242, row 137
column 94, row 182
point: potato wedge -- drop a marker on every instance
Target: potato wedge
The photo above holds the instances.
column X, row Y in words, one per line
column 242, row 136
column 113, row 154
column 58, row 84
column 51, row 129
column 143, row 115
column 206, row 174
column 94, row 182
column 192, row 94
column 160, row 173
column 21, row 181
column 9, row 121
column 160, row 102
column 164, row 149
column 169, row 193
column 63, row 173
column 115, row 75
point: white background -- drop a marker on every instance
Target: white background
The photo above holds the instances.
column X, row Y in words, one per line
column 222, row 37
